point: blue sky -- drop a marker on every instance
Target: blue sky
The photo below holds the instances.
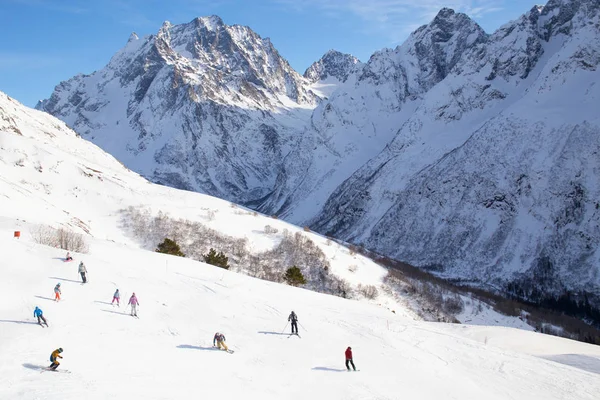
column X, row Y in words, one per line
column 46, row 41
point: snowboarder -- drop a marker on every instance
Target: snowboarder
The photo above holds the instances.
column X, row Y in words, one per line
column 133, row 302
column 54, row 358
column 40, row 316
column 116, row 297
column 349, row 359
column 220, row 341
column 82, row 271
column 294, row 319
column 57, row 292
column 68, row 257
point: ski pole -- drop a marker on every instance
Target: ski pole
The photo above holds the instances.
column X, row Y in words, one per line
column 302, row 326
column 286, row 324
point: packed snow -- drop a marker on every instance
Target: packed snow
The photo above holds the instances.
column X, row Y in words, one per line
column 167, row 353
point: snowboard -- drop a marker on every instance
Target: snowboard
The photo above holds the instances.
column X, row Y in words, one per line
column 63, row 371
column 228, row 350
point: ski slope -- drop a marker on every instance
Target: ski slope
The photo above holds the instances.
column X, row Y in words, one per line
column 167, row 353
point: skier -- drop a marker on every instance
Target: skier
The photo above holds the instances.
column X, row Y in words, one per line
column 294, row 318
column 349, row 359
column 82, row 271
column 116, row 297
column 68, row 257
column 57, row 292
column 220, row 340
column 133, row 302
column 40, row 316
column 54, row 358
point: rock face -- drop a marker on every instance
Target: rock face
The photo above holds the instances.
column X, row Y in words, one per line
column 474, row 155
column 334, row 65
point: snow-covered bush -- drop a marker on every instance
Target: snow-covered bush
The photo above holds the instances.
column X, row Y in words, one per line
column 269, row 230
column 196, row 239
column 368, row 291
column 60, row 238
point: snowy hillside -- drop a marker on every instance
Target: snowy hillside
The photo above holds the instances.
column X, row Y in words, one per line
column 49, row 175
column 473, row 155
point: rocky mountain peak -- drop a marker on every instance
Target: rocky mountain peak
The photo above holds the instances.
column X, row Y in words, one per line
column 212, row 23
column 561, row 16
column 428, row 55
column 333, row 64
column 133, row 37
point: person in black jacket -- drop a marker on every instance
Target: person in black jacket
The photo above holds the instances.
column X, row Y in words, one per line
column 293, row 318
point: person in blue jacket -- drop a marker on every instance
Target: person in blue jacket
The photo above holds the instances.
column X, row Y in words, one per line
column 40, row 316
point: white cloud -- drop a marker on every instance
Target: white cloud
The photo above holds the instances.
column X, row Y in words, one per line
column 394, row 18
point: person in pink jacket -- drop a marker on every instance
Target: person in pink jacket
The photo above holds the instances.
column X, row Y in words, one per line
column 133, row 302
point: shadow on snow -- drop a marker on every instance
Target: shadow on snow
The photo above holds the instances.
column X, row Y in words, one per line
column 19, row 322
column 63, row 279
column 189, row 346
column 328, row 369
column 45, row 298
column 117, row 312
column 581, row 361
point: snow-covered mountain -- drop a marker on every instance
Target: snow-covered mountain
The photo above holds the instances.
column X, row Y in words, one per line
column 49, row 175
column 334, row 65
column 494, row 176
column 471, row 154
column 201, row 106
column 331, row 71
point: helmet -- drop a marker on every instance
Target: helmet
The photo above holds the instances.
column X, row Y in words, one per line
column 60, row 350
column 58, row 284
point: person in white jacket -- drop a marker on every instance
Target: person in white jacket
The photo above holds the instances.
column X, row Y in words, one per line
column 82, row 271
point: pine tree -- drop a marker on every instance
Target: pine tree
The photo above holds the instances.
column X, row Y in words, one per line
column 169, row 246
column 293, row 276
column 218, row 259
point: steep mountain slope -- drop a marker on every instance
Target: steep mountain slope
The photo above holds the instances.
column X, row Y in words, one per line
column 49, row 175
column 363, row 116
column 201, row 106
column 494, row 176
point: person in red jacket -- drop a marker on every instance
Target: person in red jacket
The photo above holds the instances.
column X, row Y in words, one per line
column 349, row 359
